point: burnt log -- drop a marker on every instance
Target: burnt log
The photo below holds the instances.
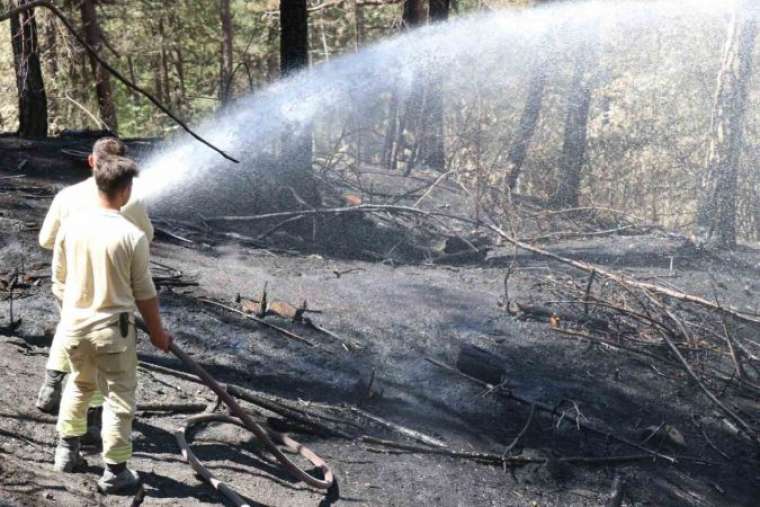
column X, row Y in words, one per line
column 481, row 364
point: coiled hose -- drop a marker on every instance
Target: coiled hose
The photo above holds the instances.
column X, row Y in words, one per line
column 269, row 439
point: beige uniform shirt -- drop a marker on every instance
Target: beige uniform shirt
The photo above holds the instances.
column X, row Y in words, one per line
column 82, row 197
column 100, row 268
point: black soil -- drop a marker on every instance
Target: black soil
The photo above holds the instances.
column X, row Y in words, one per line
column 398, row 315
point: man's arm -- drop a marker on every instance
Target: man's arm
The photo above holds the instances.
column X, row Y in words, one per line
column 51, row 225
column 58, row 268
column 152, row 317
column 145, row 295
column 136, row 212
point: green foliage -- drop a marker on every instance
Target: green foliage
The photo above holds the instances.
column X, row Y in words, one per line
column 649, row 115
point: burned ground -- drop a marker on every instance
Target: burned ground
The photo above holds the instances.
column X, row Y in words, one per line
column 399, row 314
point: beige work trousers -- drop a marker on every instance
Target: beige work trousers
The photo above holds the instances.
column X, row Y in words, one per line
column 102, row 360
column 58, row 360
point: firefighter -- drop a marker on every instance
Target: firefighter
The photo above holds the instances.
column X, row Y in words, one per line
column 67, row 202
column 100, row 273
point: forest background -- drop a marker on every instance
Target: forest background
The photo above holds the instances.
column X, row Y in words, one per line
column 665, row 137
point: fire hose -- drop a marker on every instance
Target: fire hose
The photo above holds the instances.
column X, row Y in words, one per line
column 269, row 439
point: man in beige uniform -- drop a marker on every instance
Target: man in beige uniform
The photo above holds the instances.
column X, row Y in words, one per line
column 67, row 202
column 100, row 272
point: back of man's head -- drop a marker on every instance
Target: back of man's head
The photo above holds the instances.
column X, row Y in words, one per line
column 109, row 147
column 114, row 174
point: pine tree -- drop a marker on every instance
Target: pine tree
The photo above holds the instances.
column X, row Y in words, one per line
column 716, row 214
column 32, row 99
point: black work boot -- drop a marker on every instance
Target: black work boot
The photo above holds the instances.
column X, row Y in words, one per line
column 49, row 397
column 67, row 455
column 92, row 437
column 118, row 479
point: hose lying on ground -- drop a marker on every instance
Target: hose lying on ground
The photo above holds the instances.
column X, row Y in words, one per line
column 196, row 464
column 268, row 439
column 262, row 434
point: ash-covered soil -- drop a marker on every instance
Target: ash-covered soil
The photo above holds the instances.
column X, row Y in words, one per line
column 398, row 315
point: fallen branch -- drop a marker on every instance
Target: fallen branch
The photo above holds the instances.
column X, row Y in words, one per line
column 172, row 235
column 409, row 433
column 176, row 408
column 75, row 33
column 552, row 410
column 273, row 405
column 260, row 321
column 506, row 461
column 748, row 429
column 574, row 235
column 583, row 266
column 708, row 439
column 349, row 345
column 522, row 432
column 624, row 280
column 432, row 187
column 298, row 415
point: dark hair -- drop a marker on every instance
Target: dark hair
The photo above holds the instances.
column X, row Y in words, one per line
column 109, row 147
column 113, row 174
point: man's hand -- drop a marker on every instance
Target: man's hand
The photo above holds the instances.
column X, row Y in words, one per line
column 162, row 340
column 158, row 335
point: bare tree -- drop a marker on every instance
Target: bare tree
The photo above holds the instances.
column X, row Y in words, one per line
column 32, row 100
column 576, row 124
column 294, row 36
column 716, row 213
column 414, row 13
column 296, row 157
column 94, row 37
column 359, row 34
column 163, row 60
column 518, row 149
column 433, row 151
column 225, row 83
column 402, row 125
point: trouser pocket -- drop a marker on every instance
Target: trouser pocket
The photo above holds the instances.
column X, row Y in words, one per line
column 116, row 358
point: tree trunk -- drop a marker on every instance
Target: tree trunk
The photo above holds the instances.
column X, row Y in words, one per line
column 716, row 213
column 391, row 130
column 294, row 36
column 50, row 56
column 164, row 61
column 297, row 150
column 432, row 150
column 179, row 66
column 49, row 49
column 359, row 34
column 518, row 149
column 272, row 63
column 133, row 78
column 32, row 100
column 413, row 15
column 576, row 125
column 103, row 88
column 225, row 84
